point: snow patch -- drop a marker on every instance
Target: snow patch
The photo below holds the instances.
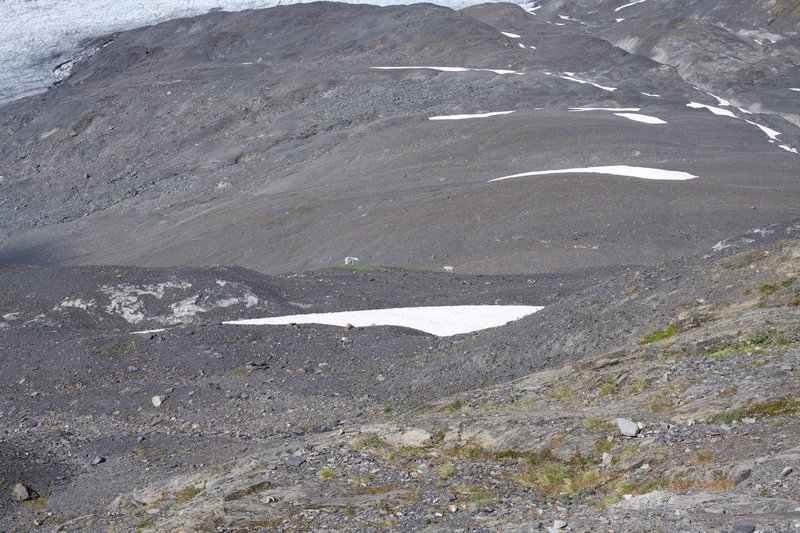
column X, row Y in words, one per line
column 441, row 321
column 509, row 34
column 148, row 331
column 452, row 69
column 649, row 94
column 570, row 77
column 620, row 8
column 476, row 115
column 772, row 134
column 604, row 109
column 647, row 119
column 619, row 170
column 715, row 110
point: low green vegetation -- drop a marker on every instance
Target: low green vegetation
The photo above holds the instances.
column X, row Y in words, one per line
column 184, row 495
column 660, row 335
column 327, row 473
column 453, row 407
column 771, row 408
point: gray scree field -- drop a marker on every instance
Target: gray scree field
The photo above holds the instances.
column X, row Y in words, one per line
column 631, row 167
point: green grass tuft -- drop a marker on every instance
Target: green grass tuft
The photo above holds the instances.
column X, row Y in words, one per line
column 660, row 335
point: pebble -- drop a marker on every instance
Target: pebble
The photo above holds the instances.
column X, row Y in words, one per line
column 97, row 460
column 627, row 427
column 158, row 400
column 744, row 528
column 786, row 471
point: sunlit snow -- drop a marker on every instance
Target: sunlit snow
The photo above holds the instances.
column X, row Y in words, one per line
column 647, row 119
column 653, row 95
column 772, row 134
column 715, row 110
column 441, row 321
column 620, row 8
column 645, row 173
column 476, row 115
column 604, row 109
column 509, row 34
column 452, row 69
column 568, row 76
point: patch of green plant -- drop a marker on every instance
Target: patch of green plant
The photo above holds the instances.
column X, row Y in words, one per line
column 446, row 470
column 608, row 388
column 597, row 423
column 786, row 283
column 371, row 442
column 239, row 371
column 562, row 394
column 759, row 338
column 734, row 415
column 779, row 407
column 660, row 335
column 453, row 407
column 767, row 288
column 327, row 473
column 184, row 495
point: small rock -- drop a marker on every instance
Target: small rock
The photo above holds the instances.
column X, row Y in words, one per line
column 607, row 459
column 449, row 496
column 749, row 420
column 22, row 493
column 97, row 460
column 559, row 524
column 158, row 400
column 744, row 528
column 786, row 471
column 626, row 427
column 453, row 508
column 296, row 460
column 174, row 464
column 741, row 474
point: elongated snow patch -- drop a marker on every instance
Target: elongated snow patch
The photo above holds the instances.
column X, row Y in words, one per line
column 604, row 109
column 476, row 115
column 644, row 173
column 441, row 321
column 715, row 110
column 620, row 8
column 509, row 34
column 453, row 69
column 647, row 119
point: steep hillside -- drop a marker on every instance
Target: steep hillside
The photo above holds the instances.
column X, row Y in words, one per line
column 257, row 139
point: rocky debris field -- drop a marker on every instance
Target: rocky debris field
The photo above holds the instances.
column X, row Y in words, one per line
column 642, row 190
column 680, row 417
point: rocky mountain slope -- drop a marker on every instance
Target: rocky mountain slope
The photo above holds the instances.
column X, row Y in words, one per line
column 630, row 167
column 255, row 139
column 245, row 428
